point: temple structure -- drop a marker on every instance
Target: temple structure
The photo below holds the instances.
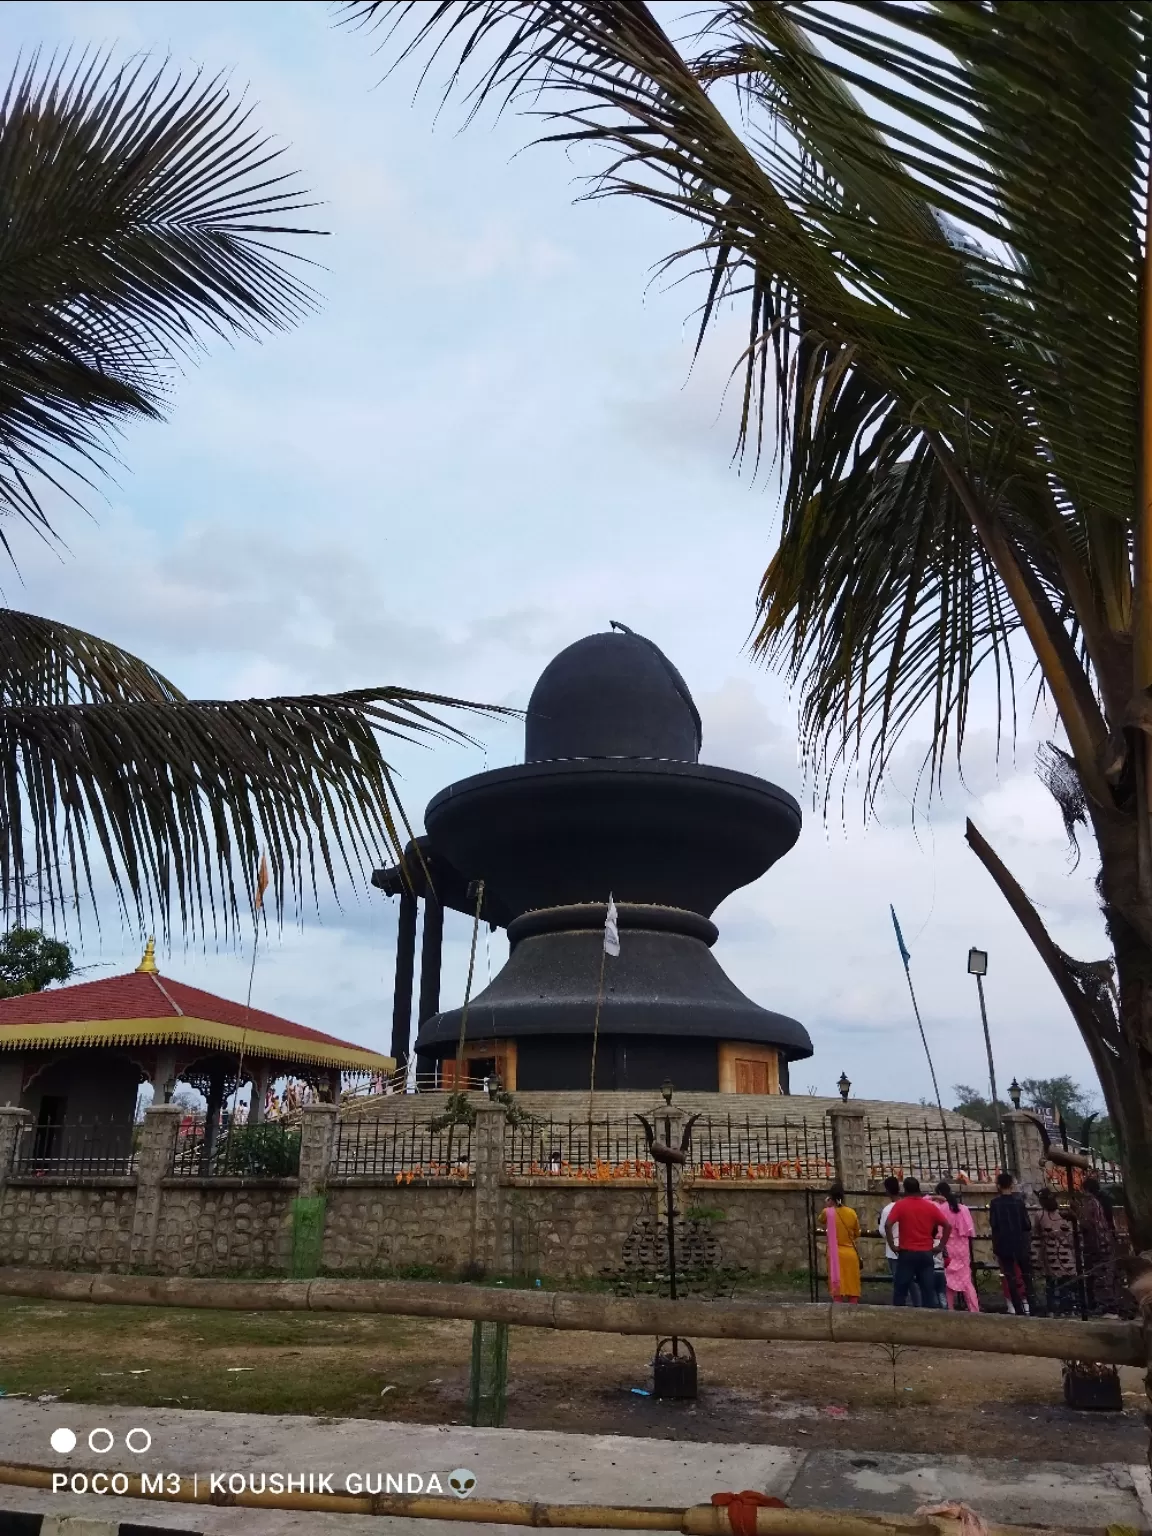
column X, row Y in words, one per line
column 610, row 801
column 76, row 1055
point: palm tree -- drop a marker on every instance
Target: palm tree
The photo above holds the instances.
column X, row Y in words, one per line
column 143, row 215
column 936, row 217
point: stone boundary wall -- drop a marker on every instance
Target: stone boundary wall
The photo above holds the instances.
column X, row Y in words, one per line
column 372, row 1226
column 554, row 1228
column 64, row 1224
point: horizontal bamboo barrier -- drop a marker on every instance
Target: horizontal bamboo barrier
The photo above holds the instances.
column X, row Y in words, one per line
column 697, row 1520
column 1113, row 1343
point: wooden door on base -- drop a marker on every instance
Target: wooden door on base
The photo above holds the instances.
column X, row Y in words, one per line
column 752, row 1076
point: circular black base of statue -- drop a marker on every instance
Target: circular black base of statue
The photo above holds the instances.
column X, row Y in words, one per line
column 666, row 1004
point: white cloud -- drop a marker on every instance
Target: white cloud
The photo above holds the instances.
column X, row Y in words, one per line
column 740, row 731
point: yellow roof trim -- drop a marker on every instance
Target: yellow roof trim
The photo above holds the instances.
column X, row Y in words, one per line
column 189, row 1031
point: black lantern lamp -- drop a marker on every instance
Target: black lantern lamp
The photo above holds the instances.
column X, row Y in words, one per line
column 666, row 1089
column 1014, row 1092
column 844, row 1086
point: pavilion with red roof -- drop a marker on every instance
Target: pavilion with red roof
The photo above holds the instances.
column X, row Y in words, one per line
column 78, row 1054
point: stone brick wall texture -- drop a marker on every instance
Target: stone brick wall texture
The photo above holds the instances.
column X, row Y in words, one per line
column 758, row 1230
column 370, row 1227
column 548, row 1228
column 575, row 1230
column 206, row 1231
column 62, row 1226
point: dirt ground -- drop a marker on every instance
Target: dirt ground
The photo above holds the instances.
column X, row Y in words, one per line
column 854, row 1397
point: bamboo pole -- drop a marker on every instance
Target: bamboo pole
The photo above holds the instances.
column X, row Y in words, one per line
column 1113, row 1342
column 697, row 1520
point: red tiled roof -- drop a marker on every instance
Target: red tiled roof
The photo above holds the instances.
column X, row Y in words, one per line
column 141, row 995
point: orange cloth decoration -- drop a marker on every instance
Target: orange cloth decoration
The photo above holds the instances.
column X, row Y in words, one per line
column 742, row 1508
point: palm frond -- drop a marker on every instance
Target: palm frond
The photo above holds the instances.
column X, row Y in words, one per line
column 882, row 600
column 107, row 767
column 1035, row 135
column 140, row 215
column 44, row 662
column 898, row 194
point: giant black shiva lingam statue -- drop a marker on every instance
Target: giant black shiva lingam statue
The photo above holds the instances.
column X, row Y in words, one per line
column 611, row 800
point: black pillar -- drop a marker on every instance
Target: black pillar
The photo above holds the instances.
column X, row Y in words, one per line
column 430, row 958
column 431, row 955
column 405, row 965
column 215, row 1096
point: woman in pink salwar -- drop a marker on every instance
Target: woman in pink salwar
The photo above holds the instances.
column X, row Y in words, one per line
column 958, row 1259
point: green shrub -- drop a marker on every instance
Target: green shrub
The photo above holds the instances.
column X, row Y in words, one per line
column 263, row 1151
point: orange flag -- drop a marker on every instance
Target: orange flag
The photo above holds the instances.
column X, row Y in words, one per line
column 261, row 881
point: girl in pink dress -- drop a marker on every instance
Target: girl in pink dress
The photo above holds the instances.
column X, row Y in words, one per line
column 958, row 1263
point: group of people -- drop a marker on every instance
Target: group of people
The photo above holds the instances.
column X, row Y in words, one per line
column 927, row 1243
column 1044, row 1245
column 928, row 1247
column 282, row 1106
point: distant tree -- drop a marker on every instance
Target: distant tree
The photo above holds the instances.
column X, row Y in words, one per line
column 30, row 961
column 976, row 1107
column 1060, row 1093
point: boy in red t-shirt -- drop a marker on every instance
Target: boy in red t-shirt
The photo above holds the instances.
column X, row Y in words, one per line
column 918, row 1220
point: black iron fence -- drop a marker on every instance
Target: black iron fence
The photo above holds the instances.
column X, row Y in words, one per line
column 744, row 1147
column 242, row 1151
column 612, row 1147
column 77, row 1150
column 1103, row 1167
column 720, row 1147
column 932, row 1152
column 396, row 1146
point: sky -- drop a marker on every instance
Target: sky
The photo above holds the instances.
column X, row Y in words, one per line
column 489, row 440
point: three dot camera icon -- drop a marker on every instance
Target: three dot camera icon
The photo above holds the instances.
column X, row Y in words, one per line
column 100, row 1441
column 462, row 1482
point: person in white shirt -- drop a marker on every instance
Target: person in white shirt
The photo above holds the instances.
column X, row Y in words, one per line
column 893, row 1191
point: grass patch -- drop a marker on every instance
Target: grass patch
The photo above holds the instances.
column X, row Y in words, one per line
column 325, row 1364
column 247, row 1362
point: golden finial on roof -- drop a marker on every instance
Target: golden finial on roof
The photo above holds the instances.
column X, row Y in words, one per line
column 148, row 963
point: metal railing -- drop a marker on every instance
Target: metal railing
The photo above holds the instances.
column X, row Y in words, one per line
column 1106, row 1171
column 396, row 1146
column 362, row 1090
column 744, row 1147
column 81, row 1149
column 721, row 1147
column 577, row 1146
column 931, row 1152
column 264, row 1151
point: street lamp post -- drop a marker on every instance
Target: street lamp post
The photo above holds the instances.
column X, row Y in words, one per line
column 978, row 967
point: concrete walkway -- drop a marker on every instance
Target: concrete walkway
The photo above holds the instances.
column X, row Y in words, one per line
column 522, row 1464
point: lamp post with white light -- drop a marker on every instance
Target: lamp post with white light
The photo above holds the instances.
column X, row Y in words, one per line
column 978, row 967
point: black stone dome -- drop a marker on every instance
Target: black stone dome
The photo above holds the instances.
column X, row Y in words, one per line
column 612, row 800
column 611, row 695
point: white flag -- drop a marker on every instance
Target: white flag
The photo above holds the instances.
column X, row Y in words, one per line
column 611, row 932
